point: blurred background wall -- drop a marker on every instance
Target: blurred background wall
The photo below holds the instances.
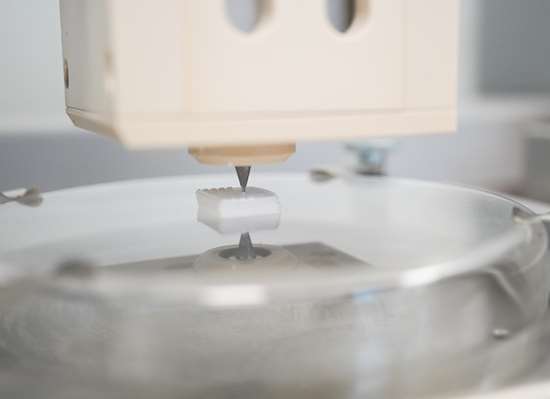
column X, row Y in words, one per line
column 501, row 143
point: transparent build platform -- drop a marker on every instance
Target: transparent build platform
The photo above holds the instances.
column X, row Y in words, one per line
column 366, row 287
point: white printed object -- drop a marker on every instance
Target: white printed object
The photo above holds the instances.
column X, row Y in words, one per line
column 229, row 210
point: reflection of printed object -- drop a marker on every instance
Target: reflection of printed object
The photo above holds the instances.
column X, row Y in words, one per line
column 229, row 210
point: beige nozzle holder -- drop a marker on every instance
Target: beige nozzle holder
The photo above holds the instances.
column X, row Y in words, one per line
column 243, row 155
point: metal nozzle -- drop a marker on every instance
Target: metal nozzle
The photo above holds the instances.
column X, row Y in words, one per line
column 243, row 173
column 246, row 249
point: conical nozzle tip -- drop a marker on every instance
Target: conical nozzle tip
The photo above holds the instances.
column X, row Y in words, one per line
column 246, row 249
column 243, row 173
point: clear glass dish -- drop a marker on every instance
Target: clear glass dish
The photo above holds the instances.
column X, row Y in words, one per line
column 370, row 285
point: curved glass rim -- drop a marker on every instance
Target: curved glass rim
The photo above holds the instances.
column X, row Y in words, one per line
column 180, row 288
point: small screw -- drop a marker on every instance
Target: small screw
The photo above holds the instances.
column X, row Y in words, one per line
column 501, row 333
column 322, row 175
column 66, row 73
column 75, row 269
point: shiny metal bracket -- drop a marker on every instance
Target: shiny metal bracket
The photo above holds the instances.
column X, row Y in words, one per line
column 28, row 197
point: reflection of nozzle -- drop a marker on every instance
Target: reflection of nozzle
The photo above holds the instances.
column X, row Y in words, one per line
column 231, row 211
column 246, row 249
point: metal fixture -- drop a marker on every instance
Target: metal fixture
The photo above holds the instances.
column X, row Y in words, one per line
column 30, row 197
column 371, row 156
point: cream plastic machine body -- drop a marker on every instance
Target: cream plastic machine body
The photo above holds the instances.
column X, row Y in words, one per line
column 171, row 73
